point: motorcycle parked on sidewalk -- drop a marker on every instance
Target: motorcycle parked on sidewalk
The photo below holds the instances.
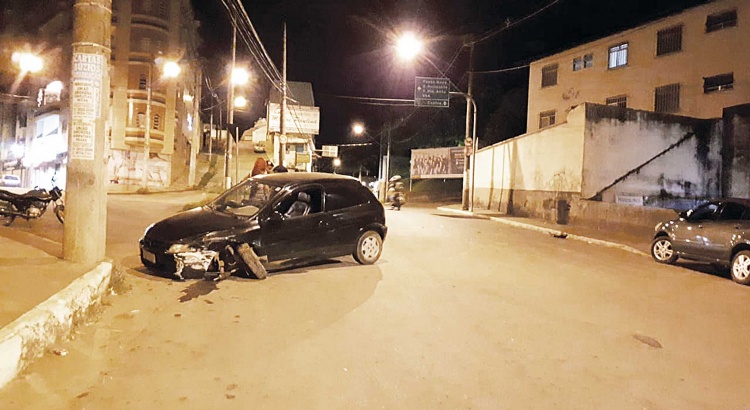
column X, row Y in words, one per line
column 31, row 205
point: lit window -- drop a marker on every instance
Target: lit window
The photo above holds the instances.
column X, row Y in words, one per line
column 667, row 98
column 549, row 75
column 546, row 118
column 618, row 55
column 720, row 21
column 721, row 82
column 669, row 41
column 618, row 101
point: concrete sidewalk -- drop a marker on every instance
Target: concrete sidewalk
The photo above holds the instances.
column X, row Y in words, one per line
column 573, row 231
column 41, row 297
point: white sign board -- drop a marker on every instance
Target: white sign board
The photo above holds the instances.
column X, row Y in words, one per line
column 629, row 200
column 330, row 151
column 298, row 119
column 85, row 103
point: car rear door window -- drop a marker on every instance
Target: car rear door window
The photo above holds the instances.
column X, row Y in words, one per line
column 340, row 197
column 704, row 212
column 732, row 211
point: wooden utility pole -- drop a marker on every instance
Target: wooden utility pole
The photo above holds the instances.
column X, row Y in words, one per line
column 230, row 111
column 85, row 231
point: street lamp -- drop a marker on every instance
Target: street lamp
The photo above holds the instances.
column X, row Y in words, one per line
column 408, row 46
column 383, row 171
column 29, row 63
column 170, row 69
column 336, row 164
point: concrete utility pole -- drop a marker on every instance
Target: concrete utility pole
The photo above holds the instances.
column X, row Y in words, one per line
column 230, row 111
column 282, row 122
column 468, row 141
column 86, row 190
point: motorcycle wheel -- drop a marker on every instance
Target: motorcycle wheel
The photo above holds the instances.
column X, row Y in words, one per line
column 60, row 213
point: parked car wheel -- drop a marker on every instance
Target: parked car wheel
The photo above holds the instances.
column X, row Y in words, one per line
column 741, row 268
column 662, row 250
column 369, row 247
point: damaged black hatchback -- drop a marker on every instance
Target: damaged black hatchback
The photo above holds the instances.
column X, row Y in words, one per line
column 269, row 219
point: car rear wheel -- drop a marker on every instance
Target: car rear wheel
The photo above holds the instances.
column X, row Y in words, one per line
column 662, row 250
column 369, row 247
column 741, row 268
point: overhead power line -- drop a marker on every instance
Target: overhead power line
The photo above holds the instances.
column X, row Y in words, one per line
column 509, row 24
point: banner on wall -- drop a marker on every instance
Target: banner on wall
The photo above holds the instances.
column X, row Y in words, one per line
column 445, row 162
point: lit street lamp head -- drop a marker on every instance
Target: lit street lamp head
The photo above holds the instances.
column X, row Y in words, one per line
column 171, row 69
column 28, row 62
column 358, row 129
column 409, row 46
column 240, row 102
column 240, row 76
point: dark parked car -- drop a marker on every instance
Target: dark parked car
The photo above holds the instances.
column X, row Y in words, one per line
column 717, row 232
column 269, row 218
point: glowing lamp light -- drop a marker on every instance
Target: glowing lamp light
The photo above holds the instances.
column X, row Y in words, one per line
column 408, row 46
column 171, row 69
column 358, row 129
column 240, row 102
column 337, row 162
column 240, row 76
column 28, row 62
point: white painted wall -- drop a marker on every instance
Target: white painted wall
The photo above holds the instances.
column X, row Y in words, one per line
column 547, row 160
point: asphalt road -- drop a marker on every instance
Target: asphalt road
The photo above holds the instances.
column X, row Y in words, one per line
column 459, row 313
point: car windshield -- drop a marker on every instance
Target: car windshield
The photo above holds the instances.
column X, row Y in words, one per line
column 245, row 199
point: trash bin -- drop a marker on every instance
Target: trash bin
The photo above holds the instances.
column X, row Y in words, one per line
column 563, row 211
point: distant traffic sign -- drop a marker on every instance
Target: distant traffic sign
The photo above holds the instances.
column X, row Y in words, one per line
column 431, row 92
column 331, row 151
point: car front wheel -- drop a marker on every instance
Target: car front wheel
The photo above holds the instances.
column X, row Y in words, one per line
column 662, row 250
column 369, row 247
column 741, row 268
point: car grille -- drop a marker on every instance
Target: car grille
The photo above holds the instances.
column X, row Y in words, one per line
column 154, row 245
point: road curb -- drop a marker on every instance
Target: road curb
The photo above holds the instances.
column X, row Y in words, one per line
column 27, row 337
column 546, row 230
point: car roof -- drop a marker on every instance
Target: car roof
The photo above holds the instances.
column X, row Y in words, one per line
column 742, row 201
column 294, row 178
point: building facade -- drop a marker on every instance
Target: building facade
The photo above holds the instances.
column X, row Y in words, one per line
column 693, row 63
column 146, row 35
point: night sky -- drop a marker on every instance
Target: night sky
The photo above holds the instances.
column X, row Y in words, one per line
column 344, row 48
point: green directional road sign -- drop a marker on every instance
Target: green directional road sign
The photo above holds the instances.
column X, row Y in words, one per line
column 431, row 92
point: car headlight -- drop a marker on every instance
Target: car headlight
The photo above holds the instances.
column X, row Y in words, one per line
column 181, row 248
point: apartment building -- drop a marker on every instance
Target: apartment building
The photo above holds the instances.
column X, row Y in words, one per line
column 146, row 35
column 693, row 63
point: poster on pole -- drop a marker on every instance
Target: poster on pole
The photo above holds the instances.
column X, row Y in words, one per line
column 445, row 162
column 85, row 104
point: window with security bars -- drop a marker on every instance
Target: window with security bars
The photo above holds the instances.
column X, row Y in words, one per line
column 667, row 98
column 618, row 101
column 142, row 82
column 549, row 75
column 546, row 118
column 669, row 40
column 721, row 20
column 721, row 82
column 157, row 122
column 618, row 55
